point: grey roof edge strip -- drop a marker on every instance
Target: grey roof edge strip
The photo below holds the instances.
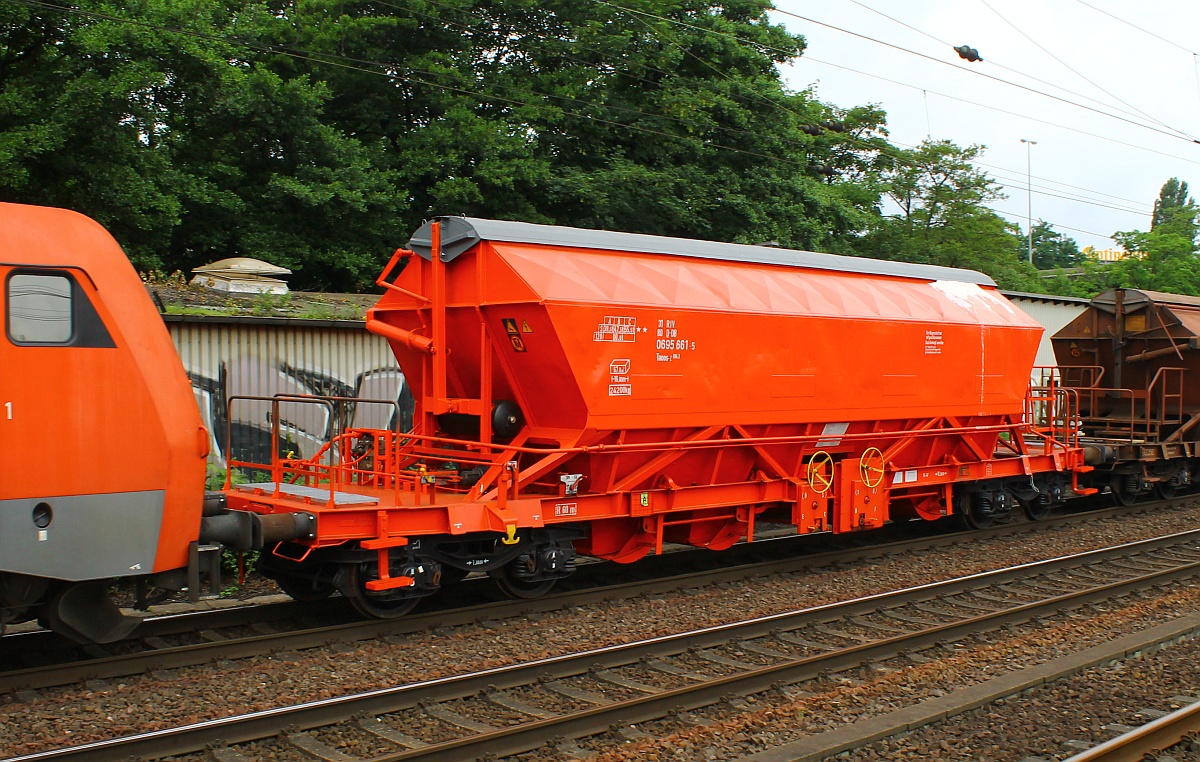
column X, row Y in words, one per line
column 256, row 320
column 1030, row 296
column 459, row 234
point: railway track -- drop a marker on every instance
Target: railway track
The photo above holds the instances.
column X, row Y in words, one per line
column 186, row 640
column 517, row 708
column 1150, row 741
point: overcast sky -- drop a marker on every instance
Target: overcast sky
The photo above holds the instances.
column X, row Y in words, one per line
column 1079, row 153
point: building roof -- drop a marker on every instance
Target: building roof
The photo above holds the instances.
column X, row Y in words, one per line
column 1048, row 298
column 1134, row 297
column 242, row 266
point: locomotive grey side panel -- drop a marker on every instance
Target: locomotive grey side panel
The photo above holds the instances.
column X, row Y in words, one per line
column 78, row 537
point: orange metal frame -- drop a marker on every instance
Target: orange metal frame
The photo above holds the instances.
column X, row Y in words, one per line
column 795, row 474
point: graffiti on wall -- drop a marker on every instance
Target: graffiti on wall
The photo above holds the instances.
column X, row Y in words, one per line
column 245, row 430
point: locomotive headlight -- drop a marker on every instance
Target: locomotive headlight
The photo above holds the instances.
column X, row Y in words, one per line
column 43, row 514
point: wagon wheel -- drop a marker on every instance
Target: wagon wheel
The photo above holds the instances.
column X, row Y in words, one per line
column 304, row 589
column 1038, row 507
column 871, row 467
column 818, row 477
column 1166, row 490
column 972, row 514
column 515, row 587
column 386, row 604
column 1121, row 493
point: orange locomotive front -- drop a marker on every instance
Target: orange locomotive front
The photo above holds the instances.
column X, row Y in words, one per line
column 604, row 393
column 102, row 452
column 101, row 445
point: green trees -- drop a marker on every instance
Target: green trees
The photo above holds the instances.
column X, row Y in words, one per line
column 943, row 218
column 161, row 120
column 1052, row 249
column 668, row 118
column 1168, row 252
column 81, row 124
column 318, row 133
column 1173, row 203
column 1169, row 247
column 1172, row 235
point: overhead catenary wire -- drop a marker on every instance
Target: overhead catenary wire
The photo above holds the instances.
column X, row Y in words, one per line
column 1135, row 26
column 1048, row 194
column 808, row 57
column 1000, row 110
column 1195, row 55
column 978, row 73
column 869, row 146
column 381, row 69
column 1080, row 74
column 1073, row 198
column 991, row 59
column 1021, row 216
column 890, row 45
column 1140, row 206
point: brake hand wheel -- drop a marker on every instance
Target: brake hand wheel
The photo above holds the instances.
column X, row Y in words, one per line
column 871, row 467
column 820, row 472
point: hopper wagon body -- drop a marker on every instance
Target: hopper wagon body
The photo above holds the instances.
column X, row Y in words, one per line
column 605, row 393
column 1131, row 358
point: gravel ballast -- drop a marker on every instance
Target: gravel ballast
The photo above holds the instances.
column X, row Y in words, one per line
column 57, row 717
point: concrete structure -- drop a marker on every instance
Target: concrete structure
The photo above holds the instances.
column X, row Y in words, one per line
column 242, row 275
column 1110, row 255
column 1053, row 312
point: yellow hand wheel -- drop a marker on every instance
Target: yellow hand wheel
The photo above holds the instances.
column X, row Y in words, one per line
column 871, row 467
column 820, row 472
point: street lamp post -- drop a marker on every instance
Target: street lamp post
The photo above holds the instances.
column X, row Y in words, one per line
column 1029, row 193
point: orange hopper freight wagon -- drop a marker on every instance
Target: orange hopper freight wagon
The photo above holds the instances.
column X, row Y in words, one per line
column 604, row 393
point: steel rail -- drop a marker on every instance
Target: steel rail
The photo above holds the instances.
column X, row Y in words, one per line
column 238, row 648
column 531, row 735
column 1156, row 736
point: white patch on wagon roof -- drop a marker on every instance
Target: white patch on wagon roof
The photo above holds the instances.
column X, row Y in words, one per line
column 966, row 295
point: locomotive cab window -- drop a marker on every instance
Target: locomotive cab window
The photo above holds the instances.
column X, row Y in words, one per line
column 49, row 308
column 39, row 309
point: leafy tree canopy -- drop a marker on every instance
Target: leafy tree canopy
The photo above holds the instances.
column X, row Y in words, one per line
column 1172, row 199
column 1167, row 258
column 942, row 215
column 1052, row 249
column 318, row 134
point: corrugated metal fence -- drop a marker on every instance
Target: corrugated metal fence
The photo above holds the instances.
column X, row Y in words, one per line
column 262, row 357
column 1053, row 312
